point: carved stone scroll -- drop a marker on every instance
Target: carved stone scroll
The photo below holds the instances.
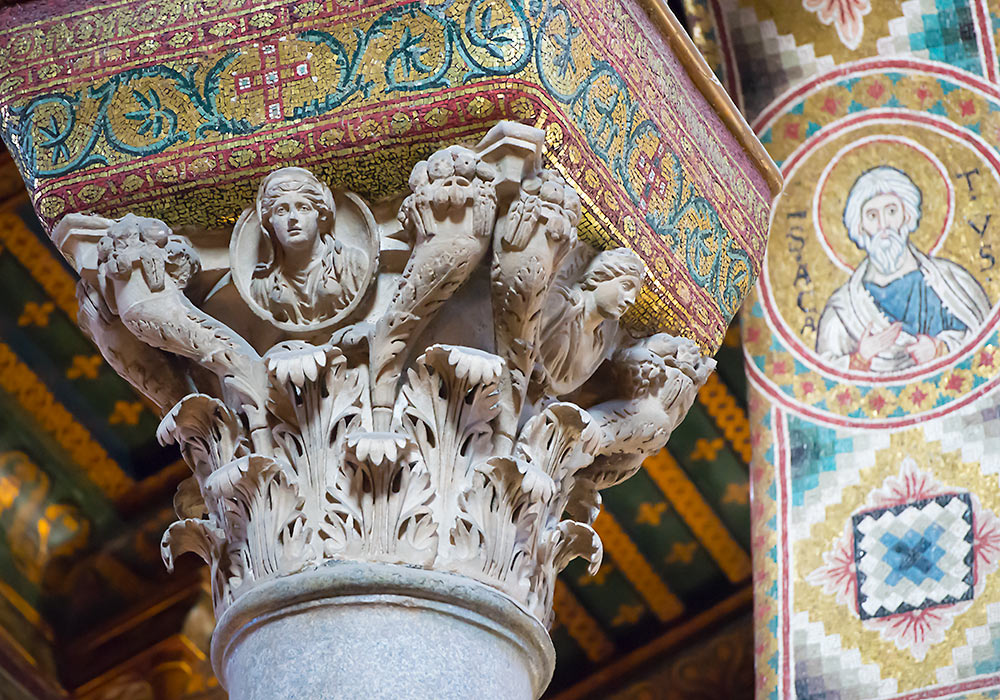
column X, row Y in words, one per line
column 354, row 427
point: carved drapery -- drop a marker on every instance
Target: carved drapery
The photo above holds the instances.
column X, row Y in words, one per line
column 446, row 389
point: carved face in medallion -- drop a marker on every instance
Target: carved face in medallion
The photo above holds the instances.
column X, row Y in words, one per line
column 295, row 222
column 303, row 257
column 297, row 212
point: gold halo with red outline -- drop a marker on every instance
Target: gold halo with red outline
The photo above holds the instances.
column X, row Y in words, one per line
column 958, row 125
column 848, row 164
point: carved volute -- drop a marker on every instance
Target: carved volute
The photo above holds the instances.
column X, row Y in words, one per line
column 335, row 404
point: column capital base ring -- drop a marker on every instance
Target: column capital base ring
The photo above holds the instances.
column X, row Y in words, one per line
column 456, row 637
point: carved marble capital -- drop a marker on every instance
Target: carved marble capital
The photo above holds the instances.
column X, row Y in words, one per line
column 440, row 381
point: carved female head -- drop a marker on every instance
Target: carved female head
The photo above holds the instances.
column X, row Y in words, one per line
column 301, row 257
column 295, row 210
column 614, row 278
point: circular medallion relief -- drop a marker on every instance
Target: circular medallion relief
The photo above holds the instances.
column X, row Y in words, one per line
column 303, row 257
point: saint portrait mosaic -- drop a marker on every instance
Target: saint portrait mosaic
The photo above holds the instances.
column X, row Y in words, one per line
column 871, row 350
column 877, row 312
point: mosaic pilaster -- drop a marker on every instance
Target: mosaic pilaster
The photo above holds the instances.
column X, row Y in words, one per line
column 871, row 344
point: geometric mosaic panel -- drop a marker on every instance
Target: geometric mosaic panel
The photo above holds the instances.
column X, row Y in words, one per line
column 914, row 555
column 769, row 61
column 939, row 30
column 976, row 436
column 981, row 655
column 827, row 670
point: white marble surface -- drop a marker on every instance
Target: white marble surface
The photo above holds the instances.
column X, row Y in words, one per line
column 380, row 632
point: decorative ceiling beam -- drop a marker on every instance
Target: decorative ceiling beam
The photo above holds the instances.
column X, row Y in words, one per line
column 21, row 675
column 38, row 260
column 17, row 379
column 728, row 415
column 705, row 524
column 623, row 551
column 597, row 684
column 582, row 627
column 26, row 610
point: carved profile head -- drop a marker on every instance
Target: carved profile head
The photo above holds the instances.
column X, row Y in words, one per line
column 614, row 278
column 299, row 259
column 580, row 319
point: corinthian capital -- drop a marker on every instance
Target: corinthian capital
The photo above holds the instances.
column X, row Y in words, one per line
column 336, row 405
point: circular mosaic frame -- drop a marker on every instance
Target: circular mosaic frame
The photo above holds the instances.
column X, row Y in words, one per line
column 963, row 109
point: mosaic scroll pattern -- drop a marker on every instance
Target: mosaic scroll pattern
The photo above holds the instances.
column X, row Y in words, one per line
column 180, row 123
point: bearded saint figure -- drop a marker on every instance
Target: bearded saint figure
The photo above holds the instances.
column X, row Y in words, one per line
column 310, row 275
column 580, row 322
column 900, row 308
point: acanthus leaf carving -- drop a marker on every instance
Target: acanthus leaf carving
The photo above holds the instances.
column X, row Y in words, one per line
column 318, row 398
column 573, row 539
column 204, row 537
column 197, row 535
column 380, row 502
column 450, row 213
column 448, row 407
column 500, row 504
column 558, row 441
column 260, row 507
column 347, row 406
column 188, row 501
column 206, row 430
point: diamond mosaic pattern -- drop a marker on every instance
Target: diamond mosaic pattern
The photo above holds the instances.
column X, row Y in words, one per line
column 830, row 483
column 769, row 61
column 980, row 655
column 824, row 670
column 976, row 434
column 914, row 556
column 940, row 30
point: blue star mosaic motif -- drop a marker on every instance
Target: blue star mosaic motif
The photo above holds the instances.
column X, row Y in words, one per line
column 914, row 555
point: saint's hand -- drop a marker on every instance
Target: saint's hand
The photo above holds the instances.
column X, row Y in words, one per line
column 874, row 342
column 924, row 349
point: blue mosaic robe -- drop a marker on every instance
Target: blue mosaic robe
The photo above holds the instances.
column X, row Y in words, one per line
column 940, row 299
column 911, row 301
